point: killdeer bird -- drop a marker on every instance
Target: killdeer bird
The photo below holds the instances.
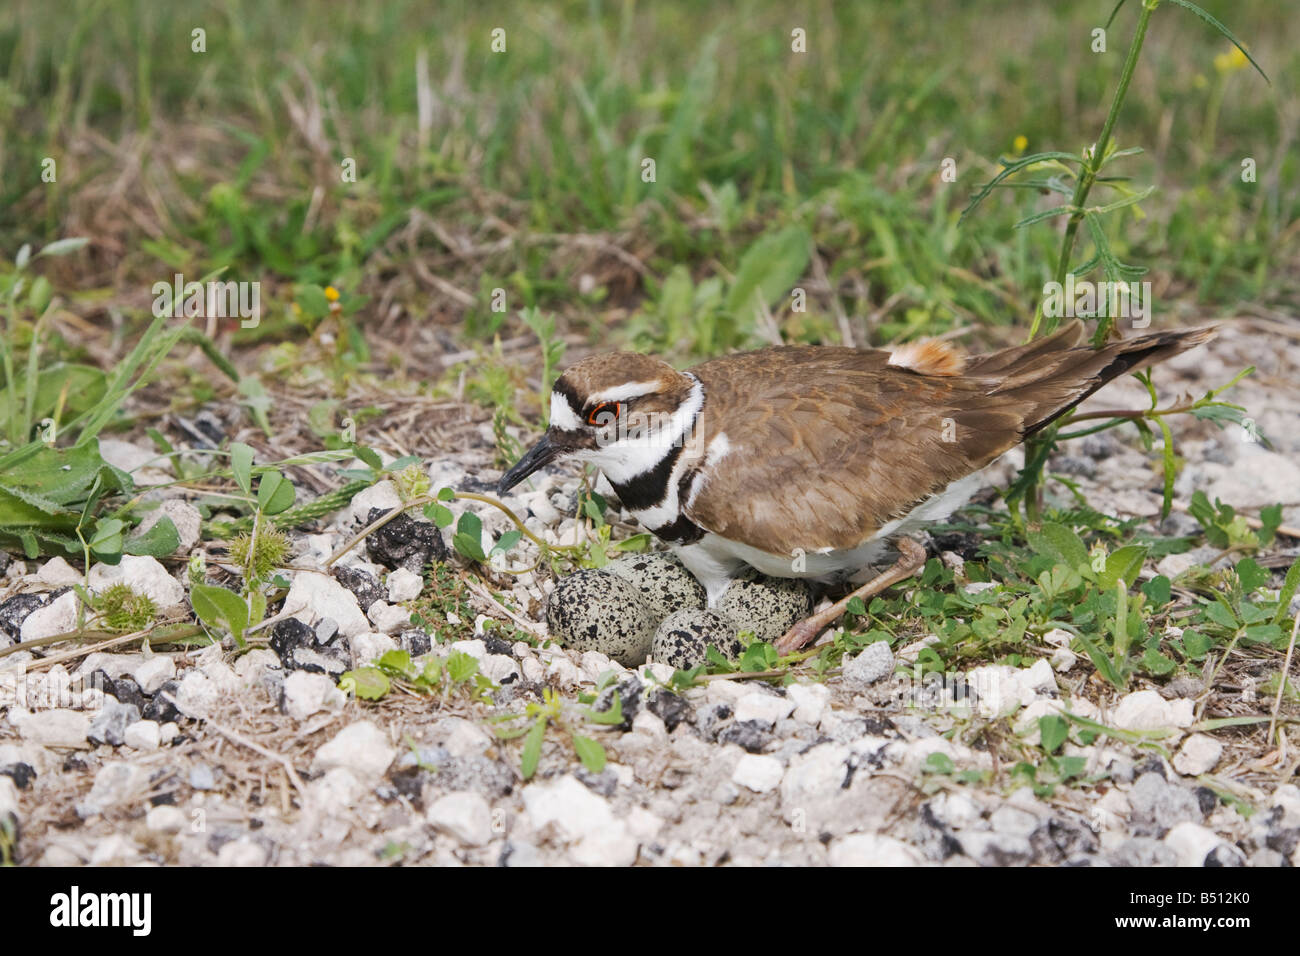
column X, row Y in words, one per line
column 809, row 461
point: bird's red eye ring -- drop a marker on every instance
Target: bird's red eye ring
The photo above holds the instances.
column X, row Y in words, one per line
column 605, row 413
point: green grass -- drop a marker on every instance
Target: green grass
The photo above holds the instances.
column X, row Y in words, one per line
column 501, row 196
column 544, row 142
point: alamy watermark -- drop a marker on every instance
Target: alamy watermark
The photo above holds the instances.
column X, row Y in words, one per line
column 211, row 300
column 1085, row 299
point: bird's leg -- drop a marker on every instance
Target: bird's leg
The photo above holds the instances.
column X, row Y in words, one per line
column 911, row 559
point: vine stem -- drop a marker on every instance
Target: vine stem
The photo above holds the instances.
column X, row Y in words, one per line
column 427, row 499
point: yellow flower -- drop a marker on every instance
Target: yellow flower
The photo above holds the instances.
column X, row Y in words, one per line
column 1019, row 144
column 297, row 309
column 1230, row 62
column 331, row 293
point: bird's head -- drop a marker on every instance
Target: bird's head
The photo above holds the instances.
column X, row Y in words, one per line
column 620, row 411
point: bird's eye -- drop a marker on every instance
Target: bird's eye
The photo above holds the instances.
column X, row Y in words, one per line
column 605, row 413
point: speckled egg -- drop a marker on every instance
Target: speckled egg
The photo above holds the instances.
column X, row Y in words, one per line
column 594, row 611
column 767, row 606
column 665, row 584
column 684, row 635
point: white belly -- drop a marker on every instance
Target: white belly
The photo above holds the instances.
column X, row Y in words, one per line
column 715, row 560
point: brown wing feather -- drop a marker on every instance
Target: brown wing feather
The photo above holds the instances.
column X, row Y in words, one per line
column 835, row 443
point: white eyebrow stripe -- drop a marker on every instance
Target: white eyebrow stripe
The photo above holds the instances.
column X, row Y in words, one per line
column 621, row 393
column 563, row 416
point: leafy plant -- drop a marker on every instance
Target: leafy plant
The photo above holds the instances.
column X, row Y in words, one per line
column 1075, row 176
column 459, row 671
column 553, row 348
column 554, row 710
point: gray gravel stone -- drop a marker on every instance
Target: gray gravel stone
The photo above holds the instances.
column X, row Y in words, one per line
column 1157, row 805
column 875, row 663
column 1143, row 852
column 109, row 727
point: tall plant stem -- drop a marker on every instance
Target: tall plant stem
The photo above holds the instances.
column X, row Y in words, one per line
column 1087, row 177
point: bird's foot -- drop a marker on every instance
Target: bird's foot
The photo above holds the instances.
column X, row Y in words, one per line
column 911, row 559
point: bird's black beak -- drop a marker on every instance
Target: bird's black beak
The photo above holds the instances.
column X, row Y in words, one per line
column 539, row 456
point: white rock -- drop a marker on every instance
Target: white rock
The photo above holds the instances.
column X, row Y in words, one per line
column 875, row 663
column 464, row 815
column 165, row 819
column 475, row 648
column 758, row 772
column 1192, row 842
column 116, row 783
column 313, row 596
column 762, row 706
column 131, row 458
column 404, row 585
column 1057, row 637
column 114, row 665
column 1147, row 710
column 168, row 732
column 116, row 849
column 911, row 652
column 361, row 747
column 223, row 678
column 1039, row 678
column 595, row 664
column 464, row 738
column 872, row 849
column 144, row 575
column 499, row 667
column 369, row 645
column 52, row 728
column 57, row 573
column 196, row 696
column 306, row 694
column 387, row 618
column 57, row 617
column 1063, row 659
column 143, row 735
column 582, row 817
column 8, row 799
column 1026, row 724
column 184, row 516
column 382, row 494
column 955, row 809
column 534, row 672
column 242, row 852
column 809, row 701
column 727, row 691
column 540, row 505
column 152, row 672
column 650, row 724
column 811, row 775
column 644, row 825
column 659, row 670
column 251, row 666
column 1199, row 754
column 562, row 670
column 1000, row 689
column 336, row 790
column 1287, row 796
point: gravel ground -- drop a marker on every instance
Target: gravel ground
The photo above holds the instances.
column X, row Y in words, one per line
column 206, row 757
